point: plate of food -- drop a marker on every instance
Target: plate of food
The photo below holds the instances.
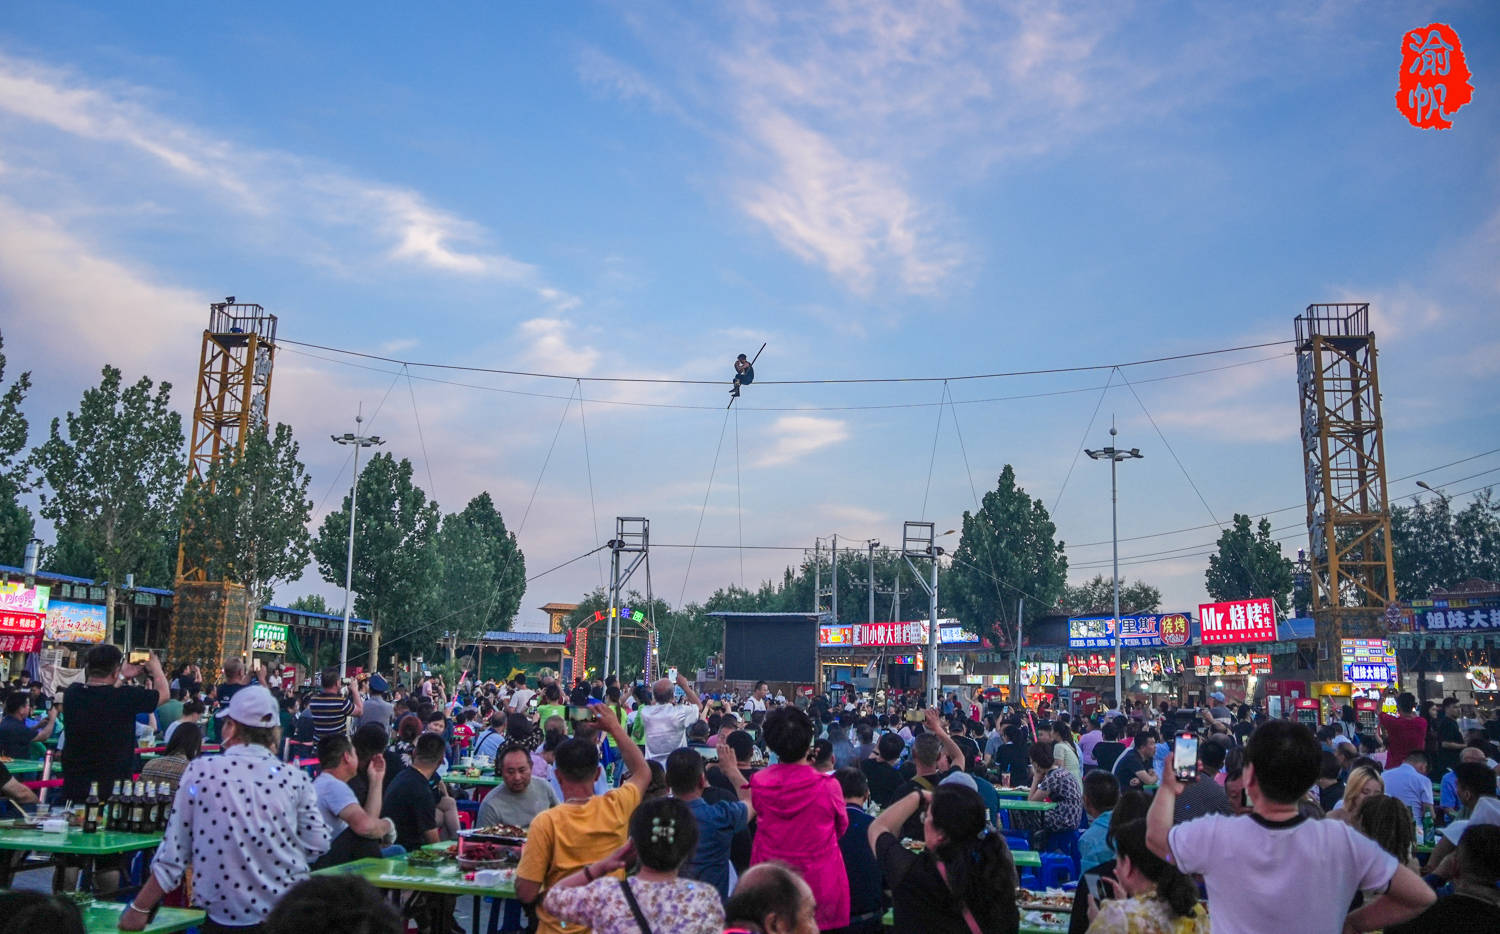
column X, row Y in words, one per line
column 426, row 858
column 494, row 833
column 915, row 846
column 1045, row 920
column 486, row 856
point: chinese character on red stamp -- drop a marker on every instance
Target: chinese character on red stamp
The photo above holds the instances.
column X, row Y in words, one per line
column 1434, row 77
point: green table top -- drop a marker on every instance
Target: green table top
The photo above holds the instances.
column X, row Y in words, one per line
column 104, row 918
column 478, row 781
column 30, row 767
column 78, row 843
column 1028, row 858
column 1006, row 804
column 1012, row 792
column 445, row 879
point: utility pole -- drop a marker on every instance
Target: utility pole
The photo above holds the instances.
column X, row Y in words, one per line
column 872, row 545
column 1114, row 457
column 817, row 575
column 834, row 596
column 359, row 441
column 1016, row 684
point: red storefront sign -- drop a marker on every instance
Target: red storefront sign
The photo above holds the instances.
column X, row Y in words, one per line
column 1240, row 621
column 21, row 631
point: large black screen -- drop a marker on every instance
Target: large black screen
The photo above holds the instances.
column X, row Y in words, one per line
column 773, row 648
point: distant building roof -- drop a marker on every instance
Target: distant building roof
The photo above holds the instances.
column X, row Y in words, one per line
column 749, row 613
column 559, row 607
column 525, row 638
column 287, row 609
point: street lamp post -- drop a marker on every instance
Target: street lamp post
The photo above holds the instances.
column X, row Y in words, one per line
column 359, row 441
column 1114, row 456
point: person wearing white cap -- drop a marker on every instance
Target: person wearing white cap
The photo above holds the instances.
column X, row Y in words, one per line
column 247, row 823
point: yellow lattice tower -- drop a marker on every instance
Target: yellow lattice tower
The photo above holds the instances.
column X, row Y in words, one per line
column 232, row 398
column 1352, row 573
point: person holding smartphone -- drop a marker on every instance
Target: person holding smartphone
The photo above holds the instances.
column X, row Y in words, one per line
column 1196, row 764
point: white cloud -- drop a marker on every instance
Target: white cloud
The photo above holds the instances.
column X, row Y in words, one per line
column 796, row 436
column 295, row 197
column 551, row 347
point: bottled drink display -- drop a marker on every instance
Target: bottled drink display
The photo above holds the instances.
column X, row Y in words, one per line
column 165, row 799
column 153, row 809
column 91, row 809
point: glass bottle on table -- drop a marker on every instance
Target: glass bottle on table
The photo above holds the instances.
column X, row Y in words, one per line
column 112, row 808
column 137, row 807
column 91, row 809
column 149, row 808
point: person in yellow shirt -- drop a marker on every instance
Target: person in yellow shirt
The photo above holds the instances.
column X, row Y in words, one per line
column 586, row 827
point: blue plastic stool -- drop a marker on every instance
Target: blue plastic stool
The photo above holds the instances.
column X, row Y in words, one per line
column 1056, row 869
column 1017, row 841
column 468, row 805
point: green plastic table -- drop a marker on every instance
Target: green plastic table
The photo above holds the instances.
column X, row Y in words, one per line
column 477, row 781
column 26, row 768
column 1012, row 792
column 445, row 879
column 77, row 843
column 1030, row 859
column 1006, row 804
column 104, row 918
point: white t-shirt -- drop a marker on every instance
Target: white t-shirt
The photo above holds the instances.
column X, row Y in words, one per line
column 1297, row 875
column 666, row 728
column 1410, row 787
column 520, row 699
column 753, row 704
column 333, row 796
column 1486, row 811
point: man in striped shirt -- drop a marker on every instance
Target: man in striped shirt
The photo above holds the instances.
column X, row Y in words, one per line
column 332, row 708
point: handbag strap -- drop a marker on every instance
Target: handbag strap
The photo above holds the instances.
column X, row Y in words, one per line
column 968, row 915
column 635, row 908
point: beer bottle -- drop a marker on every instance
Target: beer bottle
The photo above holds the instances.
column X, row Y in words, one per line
column 91, row 809
column 137, row 808
column 150, row 808
column 112, row 808
column 165, row 799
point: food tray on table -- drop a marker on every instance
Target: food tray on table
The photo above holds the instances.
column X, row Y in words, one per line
column 1055, row 901
column 506, row 834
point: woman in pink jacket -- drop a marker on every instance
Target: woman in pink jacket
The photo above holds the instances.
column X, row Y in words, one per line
column 800, row 816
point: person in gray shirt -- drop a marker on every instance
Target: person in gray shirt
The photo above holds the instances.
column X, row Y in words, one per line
column 378, row 709
column 520, row 799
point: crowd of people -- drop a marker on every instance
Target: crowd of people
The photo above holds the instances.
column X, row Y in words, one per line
column 652, row 808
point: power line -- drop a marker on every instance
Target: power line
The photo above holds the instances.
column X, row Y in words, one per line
column 1083, row 368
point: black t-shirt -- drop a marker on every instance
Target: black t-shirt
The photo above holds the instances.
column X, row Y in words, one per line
column 408, row 803
column 1012, row 758
column 1451, row 914
column 1129, row 764
column 922, row 900
column 883, row 780
column 100, row 743
column 1328, row 797
column 1106, row 752
column 16, row 738
column 1447, row 732
column 913, row 826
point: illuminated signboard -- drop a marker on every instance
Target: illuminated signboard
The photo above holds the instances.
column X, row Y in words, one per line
column 1242, row 664
column 1368, row 661
column 1238, row 621
column 22, row 612
column 1141, row 631
column 268, row 637
column 878, row 635
column 74, row 622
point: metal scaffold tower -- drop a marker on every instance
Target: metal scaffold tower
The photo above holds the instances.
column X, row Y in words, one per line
column 1350, row 565
column 919, row 540
column 233, row 397
column 632, row 537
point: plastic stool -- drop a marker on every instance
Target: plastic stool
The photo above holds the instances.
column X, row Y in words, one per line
column 1017, row 841
column 1057, row 868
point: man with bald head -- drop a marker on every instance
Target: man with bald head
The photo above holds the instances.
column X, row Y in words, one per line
column 773, row 899
column 1448, row 796
column 666, row 722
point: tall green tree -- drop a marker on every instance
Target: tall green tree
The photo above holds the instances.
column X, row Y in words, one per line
column 311, row 603
column 1008, row 549
column 1098, row 596
column 114, row 481
column 16, row 523
column 394, row 557
column 480, row 573
column 1249, row 563
column 1436, row 548
column 246, row 521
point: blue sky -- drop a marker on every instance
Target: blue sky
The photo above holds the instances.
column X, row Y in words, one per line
column 875, row 189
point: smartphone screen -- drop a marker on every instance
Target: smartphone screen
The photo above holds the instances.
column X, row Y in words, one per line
column 138, row 657
column 1095, row 884
column 1185, row 757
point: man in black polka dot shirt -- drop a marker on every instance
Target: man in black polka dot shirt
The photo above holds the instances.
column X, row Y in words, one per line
column 245, row 821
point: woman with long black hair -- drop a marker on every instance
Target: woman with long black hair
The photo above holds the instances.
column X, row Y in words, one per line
column 961, row 879
column 1152, row 896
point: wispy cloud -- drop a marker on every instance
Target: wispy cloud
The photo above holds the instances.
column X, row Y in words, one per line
column 269, row 186
column 793, row 437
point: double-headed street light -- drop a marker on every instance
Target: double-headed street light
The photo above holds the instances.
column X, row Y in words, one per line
column 1114, row 456
column 358, row 441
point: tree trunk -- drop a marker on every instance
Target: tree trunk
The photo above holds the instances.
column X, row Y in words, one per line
column 374, row 659
column 109, row 615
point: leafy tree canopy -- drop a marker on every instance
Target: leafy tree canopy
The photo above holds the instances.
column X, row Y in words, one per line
column 1249, row 563
column 1098, row 596
column 1436, row 548
column 16, row 523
